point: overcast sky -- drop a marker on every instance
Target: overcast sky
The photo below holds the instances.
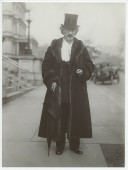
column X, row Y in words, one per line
column 103, row 23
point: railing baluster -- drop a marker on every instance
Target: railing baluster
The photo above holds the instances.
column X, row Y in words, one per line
column 19, row 78
column 25, row 77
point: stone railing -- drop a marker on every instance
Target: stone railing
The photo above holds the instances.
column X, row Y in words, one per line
column 15, row 75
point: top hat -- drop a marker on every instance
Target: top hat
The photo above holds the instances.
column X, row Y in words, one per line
column 70, row 21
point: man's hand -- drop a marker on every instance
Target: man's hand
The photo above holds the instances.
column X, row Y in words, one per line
column 79, row 72
column 53, row 86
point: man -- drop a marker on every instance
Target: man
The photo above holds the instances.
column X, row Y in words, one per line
column 65, row 70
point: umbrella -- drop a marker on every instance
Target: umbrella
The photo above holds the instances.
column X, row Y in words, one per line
column 54, row 117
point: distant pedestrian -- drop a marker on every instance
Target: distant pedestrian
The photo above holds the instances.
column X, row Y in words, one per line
column 65, row 69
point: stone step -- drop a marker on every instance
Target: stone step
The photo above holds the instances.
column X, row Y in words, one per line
column 11, row 89
column 13, row 95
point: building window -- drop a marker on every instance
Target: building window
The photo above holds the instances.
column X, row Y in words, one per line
column 13, row 27
column 7, row 25
column 16, row 28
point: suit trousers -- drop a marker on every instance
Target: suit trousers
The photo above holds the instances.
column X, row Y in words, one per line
column 74, row 142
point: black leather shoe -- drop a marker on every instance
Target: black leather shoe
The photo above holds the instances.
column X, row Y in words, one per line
column 76, row 150
column 58, row 152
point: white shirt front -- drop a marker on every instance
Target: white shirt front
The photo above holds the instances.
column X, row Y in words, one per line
column 66, row 50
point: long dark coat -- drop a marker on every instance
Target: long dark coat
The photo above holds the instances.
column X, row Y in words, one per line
column 79, row 123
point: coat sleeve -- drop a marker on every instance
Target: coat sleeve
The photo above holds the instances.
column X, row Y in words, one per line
column 86, row 65
column 48, row 72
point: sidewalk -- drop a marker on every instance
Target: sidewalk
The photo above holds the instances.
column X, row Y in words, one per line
column 23, row 148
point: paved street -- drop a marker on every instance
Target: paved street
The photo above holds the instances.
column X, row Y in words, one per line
column 23, row 148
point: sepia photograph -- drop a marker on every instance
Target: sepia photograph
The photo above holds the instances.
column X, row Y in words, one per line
column 63, row 84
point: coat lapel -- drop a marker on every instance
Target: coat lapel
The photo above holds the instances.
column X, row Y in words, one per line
column 56, row 49
column 76, row 49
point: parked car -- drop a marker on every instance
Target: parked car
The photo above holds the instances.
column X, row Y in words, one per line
column 104, row 73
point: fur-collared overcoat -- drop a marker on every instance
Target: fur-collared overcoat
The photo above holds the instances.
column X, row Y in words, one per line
column 79, row 118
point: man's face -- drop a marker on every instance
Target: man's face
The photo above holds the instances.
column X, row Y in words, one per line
column 69, row 33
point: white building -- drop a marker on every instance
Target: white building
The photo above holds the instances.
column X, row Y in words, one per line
column 14, row 29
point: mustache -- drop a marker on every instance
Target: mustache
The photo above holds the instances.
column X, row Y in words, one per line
column 70, row 35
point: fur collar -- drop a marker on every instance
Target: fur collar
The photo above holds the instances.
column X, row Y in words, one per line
column 75, row 51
